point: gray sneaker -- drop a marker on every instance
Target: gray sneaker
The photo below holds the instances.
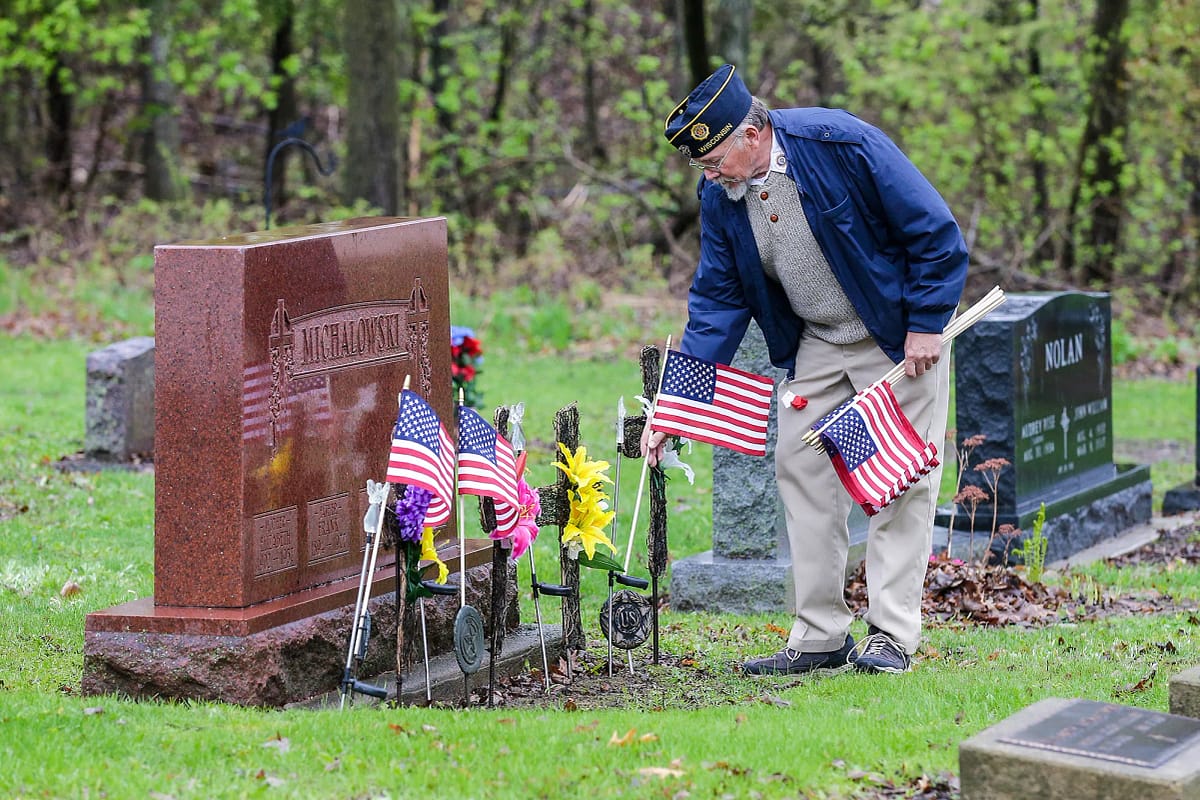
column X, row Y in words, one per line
column 792, row 662
column 879, row 652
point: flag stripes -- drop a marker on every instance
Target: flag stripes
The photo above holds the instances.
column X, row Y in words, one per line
column 713, row 403
column 487, row 467
column 874, row 449
column 422, row 454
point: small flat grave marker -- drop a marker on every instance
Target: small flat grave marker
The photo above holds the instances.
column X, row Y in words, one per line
column 1059, row 749
column 1126, row 734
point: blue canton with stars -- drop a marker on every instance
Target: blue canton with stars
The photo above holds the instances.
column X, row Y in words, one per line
column 475, row 435
column 690, row 378
column 850, row 438
column 417, row 423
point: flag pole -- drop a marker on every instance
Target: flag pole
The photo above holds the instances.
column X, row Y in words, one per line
column 637, row 504
column 462, row 531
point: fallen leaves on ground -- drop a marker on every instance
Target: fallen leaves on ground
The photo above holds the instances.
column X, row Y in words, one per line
column 996, row 595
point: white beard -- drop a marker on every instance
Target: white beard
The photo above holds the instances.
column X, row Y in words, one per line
column 734, row 191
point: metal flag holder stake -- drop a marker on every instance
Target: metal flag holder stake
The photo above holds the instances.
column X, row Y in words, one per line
column 428, row 587
column 624, row 617
column 468, row 623
column 360, row 633
column 516, row 418
column 433, row 587
column 554, row 590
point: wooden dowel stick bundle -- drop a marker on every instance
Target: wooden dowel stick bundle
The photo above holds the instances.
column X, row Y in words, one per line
column 978, row 311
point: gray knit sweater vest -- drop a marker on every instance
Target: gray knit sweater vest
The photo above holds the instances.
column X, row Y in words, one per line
column 792, row 258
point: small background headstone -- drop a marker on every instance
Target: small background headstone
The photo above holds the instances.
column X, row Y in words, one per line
column 1186, row 496
column 119, row 418
column 1062, row 749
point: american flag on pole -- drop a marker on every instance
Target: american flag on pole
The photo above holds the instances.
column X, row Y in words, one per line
column 874, row 448
column 423, row 455
column 487, row 467
column 713, row 403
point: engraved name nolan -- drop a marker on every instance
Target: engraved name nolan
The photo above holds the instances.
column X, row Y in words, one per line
column 350, row 335
column 1064, row 351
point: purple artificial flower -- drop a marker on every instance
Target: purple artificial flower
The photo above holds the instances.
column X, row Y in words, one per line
column 410, row 513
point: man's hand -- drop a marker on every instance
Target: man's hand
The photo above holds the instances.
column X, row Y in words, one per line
column 652, row 445
column 921, row 352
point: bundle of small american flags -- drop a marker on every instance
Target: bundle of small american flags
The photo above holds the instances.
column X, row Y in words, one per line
column 875, row 450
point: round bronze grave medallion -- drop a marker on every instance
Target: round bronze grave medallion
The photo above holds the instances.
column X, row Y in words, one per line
column 468, row 640
column 630, row 619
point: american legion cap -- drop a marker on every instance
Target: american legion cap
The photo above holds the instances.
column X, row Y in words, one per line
column 709, row 114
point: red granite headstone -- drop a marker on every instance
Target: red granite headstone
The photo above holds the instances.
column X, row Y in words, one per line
column 279, row 358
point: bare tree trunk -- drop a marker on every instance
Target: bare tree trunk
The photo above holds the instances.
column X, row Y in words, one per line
column 694, row 40
column 440, row 63
column 371, row 42
column 1101, row 150
column 589, row 31
column 60, row 109
column 283, row 121
column 1044, row 252
column 161, row 179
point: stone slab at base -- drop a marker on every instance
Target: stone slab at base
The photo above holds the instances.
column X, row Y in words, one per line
column 991, row 768
column 1074, row 522
column 709, row 582
column 521, row 652
column 269, row 654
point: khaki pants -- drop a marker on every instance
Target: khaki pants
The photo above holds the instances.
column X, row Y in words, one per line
column 817, row 505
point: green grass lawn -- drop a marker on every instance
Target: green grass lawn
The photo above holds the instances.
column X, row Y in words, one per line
column 709, row 732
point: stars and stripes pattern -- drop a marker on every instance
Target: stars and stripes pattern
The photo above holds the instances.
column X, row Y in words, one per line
column 875, row 450
column 487, row 467
column 713, row 403
column 307, row 398
column 423, row 455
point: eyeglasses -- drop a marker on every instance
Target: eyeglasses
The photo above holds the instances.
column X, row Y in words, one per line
column 717, row 166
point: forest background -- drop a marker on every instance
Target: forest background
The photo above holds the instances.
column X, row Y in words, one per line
column 1063, row 134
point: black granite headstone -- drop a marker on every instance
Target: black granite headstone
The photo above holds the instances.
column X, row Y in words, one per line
column 1035, row 377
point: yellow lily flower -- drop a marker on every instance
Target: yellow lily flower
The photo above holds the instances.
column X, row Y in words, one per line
column 586, row 527
column 579, row 470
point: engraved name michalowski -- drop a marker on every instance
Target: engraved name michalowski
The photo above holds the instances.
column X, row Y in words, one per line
column 344, row 336
column 349, row 336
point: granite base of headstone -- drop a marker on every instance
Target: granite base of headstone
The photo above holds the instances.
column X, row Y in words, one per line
column 522, row 649
column 1060, row 749
column 279, row 358
column 249, row 657
column 1035, row 377
column 749, row 569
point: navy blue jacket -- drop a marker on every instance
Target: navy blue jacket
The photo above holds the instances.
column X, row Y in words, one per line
column 887, row 234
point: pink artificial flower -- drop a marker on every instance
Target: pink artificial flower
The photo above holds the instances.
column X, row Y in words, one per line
column 526, row 529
